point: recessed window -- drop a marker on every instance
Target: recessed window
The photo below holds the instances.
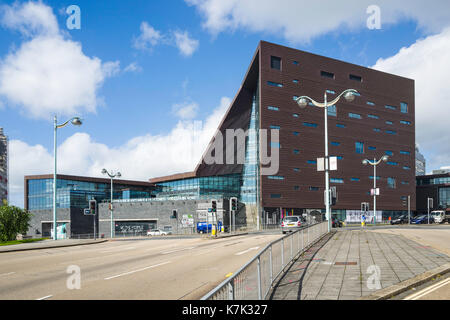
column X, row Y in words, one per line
column 404, row 107
column 275, row 127
column 405, row 122
column 372, row 116
column 312, row 162
column 336, row 180
column 275, row 63
column 336, row 144
column 392, row 163
column 390, row 107
column 296, row 169
column 355, row 179
column 327, row 74
column 389, row 153
column 273, row 108
column 275, row 196
column 391, row 132
column 354, row 116
column 295, row 81
column 296, row 151
column 295, row 63
column 371, row 178
column 372, row 148
column 355, row 78
column 308, row 124
column 275, row 84
column 295, row 115
column 332, row 111
column 406, row 168
column 275, row 177
column 389, row 122
column 359, row 147
column 370, row 103
column 313, row 188
column 296, row 133
column 377, row 130
column 339, row 125
column 331, row 91
column 405, row 153
column 405, row 183
column 391, row 183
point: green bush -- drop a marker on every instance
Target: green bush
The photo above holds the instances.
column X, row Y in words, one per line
column 13, row 220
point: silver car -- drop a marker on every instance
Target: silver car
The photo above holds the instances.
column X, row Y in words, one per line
column 291, row 223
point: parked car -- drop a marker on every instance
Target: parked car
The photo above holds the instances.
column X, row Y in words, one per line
column 291, row 223
column 423, row 219
column 335, row 223
column 400, row 220
column 157, row 232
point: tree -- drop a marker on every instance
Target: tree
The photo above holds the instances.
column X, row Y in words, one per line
column 13, row 220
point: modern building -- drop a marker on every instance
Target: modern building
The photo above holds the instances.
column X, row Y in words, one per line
column 276, row 177
column 436, row 187
column 421, row 163
column 3, row 167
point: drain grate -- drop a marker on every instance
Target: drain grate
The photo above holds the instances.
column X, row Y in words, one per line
column 345, row 263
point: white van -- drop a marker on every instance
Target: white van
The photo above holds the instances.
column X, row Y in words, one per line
column 440, row 216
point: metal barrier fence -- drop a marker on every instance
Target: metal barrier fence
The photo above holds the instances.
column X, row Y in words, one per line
column 255, row 279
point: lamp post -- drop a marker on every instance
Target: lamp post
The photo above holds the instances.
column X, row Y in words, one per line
column 302, row 102
column 76, row 121
column 112, row 176
column 374, row 164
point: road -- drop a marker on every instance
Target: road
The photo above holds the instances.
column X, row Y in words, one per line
column 160, row 268
column 438, row 289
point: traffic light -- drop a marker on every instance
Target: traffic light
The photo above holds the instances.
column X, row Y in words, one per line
column 174, row 213
column 93, row 207
column 214, row 206
column 233, row 204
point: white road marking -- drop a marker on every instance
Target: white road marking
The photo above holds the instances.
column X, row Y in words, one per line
column 428, row 290
column 134, row 271
column 176, row 250
column 6, row 274
column 46, row 297
column 245, row 251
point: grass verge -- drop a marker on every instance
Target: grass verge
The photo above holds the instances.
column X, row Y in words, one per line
column 9, row 243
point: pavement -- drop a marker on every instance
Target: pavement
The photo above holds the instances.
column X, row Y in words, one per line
column 47, row 244
column 351, row 264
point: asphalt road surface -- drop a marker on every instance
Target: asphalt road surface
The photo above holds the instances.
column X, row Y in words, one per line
column 162, row 268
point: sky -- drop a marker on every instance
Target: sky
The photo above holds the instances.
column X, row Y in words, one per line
column 152, row 79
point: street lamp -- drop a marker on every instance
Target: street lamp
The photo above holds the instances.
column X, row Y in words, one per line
column 76, row 121
column 302, row 102
column 112, row 176
column 374, row 164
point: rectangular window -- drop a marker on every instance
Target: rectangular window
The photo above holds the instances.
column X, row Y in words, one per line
column 389, row 122
column 332, row 111
column 275, row 84
column 273, row 108
column 404, row 107
column 405, row 183
column 371, row 178
column 373, row 116
column 355, row 179
column 296, row 151
column 391, row 132
column 296, row 169
column 406, row 168
column 356, row 78
column 391, row 183
column 275, row 127
column 275, row 177
column 392, row 163
column 354, row 116
column 275, row 196
column 372, row 148
column 336, row 180
column 296, row 133
column 327, row 74
column 295, row 115
column 308, row 124
column 336, row 144
column 295, row 63
column 405, row 122
column 331, row 91
column 275, row 63
column 313, row 188
column 377, row 130
column 296, row 188
column 359, row 147
column 312, row 162
column 389, row 153
column 339, row 125
column 405, row 153
column 370, row 103
column 391, row 107
column 295, row 81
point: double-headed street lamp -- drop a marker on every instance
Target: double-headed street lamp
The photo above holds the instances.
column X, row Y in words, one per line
column 374, row 163
column 112, row 176
column 302, row 102
column 76, row 121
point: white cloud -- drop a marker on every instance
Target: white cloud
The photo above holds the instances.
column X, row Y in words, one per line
column 140, row 158
column 49, row 74
column 185, row 110
column 302, row 20
column 428, row 63
column 148, row 38
column 133, row 67
column 186, row 45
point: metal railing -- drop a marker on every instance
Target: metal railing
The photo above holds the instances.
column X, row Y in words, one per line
column 255, row 279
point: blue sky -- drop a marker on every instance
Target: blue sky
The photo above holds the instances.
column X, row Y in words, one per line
column 141, row 103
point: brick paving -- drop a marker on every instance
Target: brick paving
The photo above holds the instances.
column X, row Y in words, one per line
column 343, row 265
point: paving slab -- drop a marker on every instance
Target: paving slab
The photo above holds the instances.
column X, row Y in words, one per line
column 353, row 264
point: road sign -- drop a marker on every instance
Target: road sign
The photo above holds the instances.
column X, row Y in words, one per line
column 376, row 192
column 333, row 163
column 321, row 164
